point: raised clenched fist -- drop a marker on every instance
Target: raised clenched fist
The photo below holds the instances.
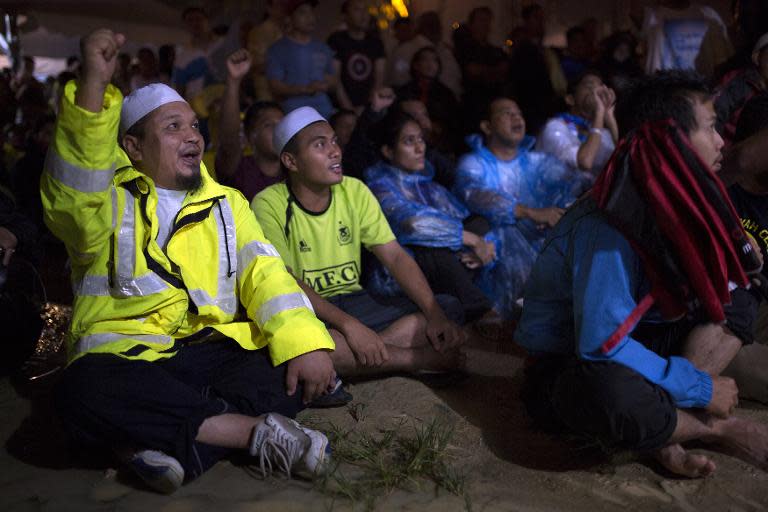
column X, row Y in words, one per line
column 238, row 64
column 99, row 50
column 382, row 99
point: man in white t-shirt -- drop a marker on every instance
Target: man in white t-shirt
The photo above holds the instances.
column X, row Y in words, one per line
column 585, row 136
column 684, row 35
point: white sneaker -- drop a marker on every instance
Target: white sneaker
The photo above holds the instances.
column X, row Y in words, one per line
column 161, row 472
column 282, row 442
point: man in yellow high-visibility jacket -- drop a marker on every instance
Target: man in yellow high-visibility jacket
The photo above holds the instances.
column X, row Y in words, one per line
column 189, row 338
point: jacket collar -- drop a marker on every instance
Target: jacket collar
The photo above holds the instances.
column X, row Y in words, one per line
column 382, row 168
column 475, row 142
column 209, row 188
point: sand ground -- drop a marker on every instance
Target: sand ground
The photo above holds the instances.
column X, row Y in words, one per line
column 508, row 465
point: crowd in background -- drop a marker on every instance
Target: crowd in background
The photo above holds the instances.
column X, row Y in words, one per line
column 563, row 199
column 512, row 134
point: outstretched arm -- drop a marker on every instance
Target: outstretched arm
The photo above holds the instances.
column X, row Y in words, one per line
column 76, row 187
column 367, row 346
column 441, row 332
column 230, row 152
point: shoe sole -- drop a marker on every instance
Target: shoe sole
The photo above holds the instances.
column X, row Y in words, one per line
column 162, row 473
column 318, row 457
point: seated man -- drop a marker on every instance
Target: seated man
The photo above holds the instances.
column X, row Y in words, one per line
column 318, row 220
column 749, row 194
column 188, row 339
column 585, row 136
column 520, row 192
column 250, row 174
column 609, row 264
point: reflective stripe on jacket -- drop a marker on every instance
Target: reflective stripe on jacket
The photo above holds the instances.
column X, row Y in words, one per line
column 218, row 272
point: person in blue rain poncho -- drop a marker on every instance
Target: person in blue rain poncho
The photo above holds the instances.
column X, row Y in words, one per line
column 520, row 192
column 426, row 218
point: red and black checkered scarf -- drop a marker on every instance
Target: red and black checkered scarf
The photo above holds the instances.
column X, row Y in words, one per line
column 676, row 214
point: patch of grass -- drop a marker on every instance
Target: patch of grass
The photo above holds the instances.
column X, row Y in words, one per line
column 357, row 411
column 408, row 455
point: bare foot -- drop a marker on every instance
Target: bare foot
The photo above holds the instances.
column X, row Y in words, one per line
column 745, row 439
column 680, row 462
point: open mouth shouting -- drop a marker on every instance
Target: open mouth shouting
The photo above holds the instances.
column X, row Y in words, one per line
column 191, row 156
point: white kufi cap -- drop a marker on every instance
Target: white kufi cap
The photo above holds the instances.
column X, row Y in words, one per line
column 143, row 101
column 292, row 124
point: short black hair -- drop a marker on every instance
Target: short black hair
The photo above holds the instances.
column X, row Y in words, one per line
column 664, row 95
column 64, row 77
column 292, row 147
column 618, row 38
column 255, row 110
column 753, row 118
column 387, row 131
column 574, row 83
column 487, row 111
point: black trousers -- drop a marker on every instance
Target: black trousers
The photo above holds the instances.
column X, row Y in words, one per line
column 603, row 400
column 611, row 402
column 447, row 275
column 106, row 401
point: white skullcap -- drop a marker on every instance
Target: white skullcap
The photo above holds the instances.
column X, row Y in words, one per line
column 292, row 124
column 761, row 43
column 143, row 101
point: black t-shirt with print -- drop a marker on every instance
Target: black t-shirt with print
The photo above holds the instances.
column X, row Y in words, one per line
column 358, row 58
column 753, row 211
